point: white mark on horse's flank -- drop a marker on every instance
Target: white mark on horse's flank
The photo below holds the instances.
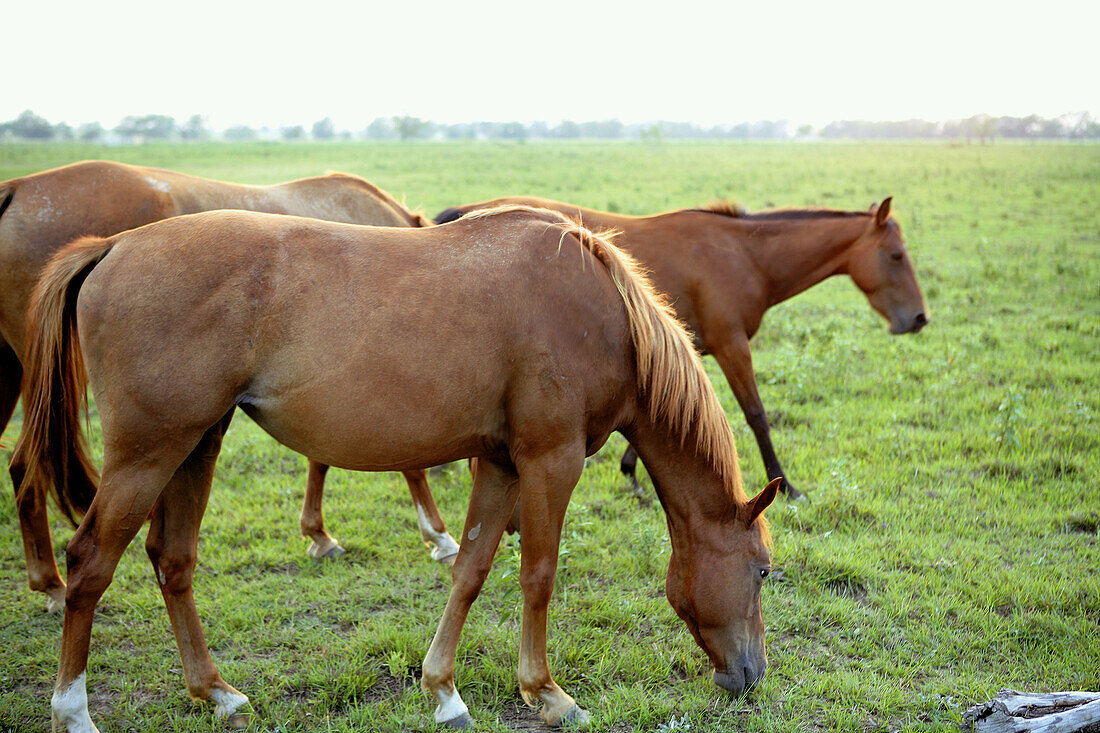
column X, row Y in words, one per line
column 70, row 707
column 474, row 532
column 225, row 703
column 450, row 705
column 159, row 185
column 442, row 544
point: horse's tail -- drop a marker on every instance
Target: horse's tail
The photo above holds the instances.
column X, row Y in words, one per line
column 51, row 450
column 452, row 214
column 7, row 193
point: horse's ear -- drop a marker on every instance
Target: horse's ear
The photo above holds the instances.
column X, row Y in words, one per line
column 760, row 502
column 882, row 213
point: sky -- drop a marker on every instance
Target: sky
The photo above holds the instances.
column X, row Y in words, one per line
column 276, row 63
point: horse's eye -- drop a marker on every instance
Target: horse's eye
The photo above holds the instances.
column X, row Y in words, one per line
column 896, row 256
column 764, row 573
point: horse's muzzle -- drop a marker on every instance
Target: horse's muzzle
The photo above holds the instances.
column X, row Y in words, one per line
column 740, row 681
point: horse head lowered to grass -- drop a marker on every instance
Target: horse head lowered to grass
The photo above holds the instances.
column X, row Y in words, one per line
column 511, row 336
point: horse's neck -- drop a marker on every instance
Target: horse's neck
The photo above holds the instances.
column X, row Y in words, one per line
column 796, row 255
column 691, row 489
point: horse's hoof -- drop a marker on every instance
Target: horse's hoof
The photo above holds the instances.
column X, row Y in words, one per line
column 325, row 552
column 238, row 721
column 577, row 717
column 55, row 605
column 448, row 560
column 793, row 494
column 462, row 722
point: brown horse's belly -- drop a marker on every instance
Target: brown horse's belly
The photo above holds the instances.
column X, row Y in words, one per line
column 387, row 428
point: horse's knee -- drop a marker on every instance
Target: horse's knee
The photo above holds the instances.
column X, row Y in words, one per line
column 174, row 572
column 538, row 581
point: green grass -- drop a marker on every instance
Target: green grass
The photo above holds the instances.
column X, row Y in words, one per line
column 949, row 548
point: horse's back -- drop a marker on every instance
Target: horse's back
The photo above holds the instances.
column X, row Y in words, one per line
column 319, row 330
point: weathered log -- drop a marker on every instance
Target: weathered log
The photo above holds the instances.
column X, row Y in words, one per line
column 1017, row 712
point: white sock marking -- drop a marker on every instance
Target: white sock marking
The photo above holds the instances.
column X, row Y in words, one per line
column 450, row 705
column 70, row 707
column 225, row 703
column 442, row 544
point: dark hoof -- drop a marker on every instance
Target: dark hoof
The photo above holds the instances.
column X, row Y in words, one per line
column 238, row 721
column 792, row 493
column 462, row 722
column 575, row 718
column 334, row 553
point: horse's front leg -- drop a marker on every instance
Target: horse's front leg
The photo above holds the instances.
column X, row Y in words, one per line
column 494, row 494
column 546, row 485
column 735, row 358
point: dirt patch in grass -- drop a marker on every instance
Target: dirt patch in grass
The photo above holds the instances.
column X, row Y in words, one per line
column 1002, row 470
column 1088, row 523
column 846, row 587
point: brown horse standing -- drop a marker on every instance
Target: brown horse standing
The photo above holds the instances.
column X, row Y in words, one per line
column 513, row 336
column 724, row 268
column 42, row 212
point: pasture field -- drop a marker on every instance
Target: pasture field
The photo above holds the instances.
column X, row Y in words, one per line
column 949, row 547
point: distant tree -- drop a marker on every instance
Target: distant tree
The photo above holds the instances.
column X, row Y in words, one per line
column 513, row 131
column 539, row 130
column 239, row 133
column 602, row 129
column 30, row 126
column 90, row 132
column 295, row 132
column 194, row 129
column 652, row 134
column 409, row 127
column 63, row 131
column 147, row 127
column 324, row 129
column 381, row 128
column 567, row 130
column 805, row 130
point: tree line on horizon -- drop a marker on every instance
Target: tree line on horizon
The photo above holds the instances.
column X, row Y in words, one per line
column 983, row 128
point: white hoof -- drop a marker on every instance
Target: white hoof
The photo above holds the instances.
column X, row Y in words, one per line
column 226, row 703
column 70, row 708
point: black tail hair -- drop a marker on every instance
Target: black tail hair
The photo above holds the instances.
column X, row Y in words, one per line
column 448, row 215
column 7, row 194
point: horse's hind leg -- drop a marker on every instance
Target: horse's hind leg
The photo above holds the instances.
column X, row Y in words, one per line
column 312, row 521
column 172, row 548
column 432, row 530
column 129, row 489
column 34, row 523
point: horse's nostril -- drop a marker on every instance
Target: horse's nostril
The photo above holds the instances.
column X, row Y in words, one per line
column 921, row 319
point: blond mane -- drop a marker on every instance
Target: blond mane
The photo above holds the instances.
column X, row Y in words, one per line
column 671, row 378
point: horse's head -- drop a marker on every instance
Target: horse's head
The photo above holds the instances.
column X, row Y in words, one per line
column 880, row 265
column 715, row 588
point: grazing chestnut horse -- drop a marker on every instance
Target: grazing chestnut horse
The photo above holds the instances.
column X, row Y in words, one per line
column 723, row 268
column 41, row 212
column 511, row 336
